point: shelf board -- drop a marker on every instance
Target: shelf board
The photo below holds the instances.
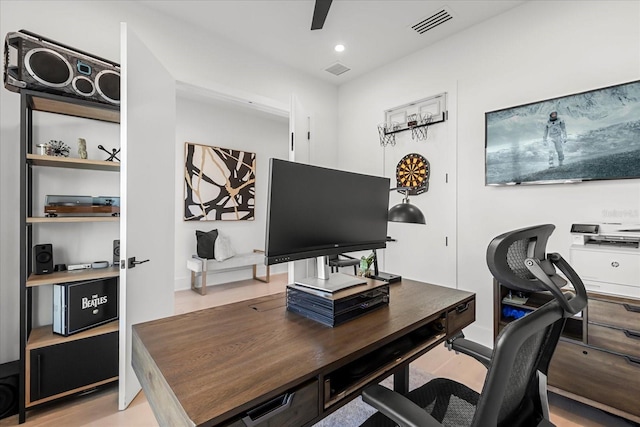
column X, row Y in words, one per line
column 44, row 336
column 54, row 219
column 29, row 404
column 72, row 276
column 72, row 163
column 77, row 108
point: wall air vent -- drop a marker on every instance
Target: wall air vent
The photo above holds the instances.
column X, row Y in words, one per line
column 337, row 69
column 430, row 22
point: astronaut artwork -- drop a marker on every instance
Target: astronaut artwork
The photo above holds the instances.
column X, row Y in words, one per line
column 557, row 132
column 585, row 136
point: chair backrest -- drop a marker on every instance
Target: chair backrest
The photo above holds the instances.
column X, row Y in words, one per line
column 524, row 348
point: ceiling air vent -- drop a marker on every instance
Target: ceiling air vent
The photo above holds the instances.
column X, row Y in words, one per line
column 430, row 22
column 337, row 69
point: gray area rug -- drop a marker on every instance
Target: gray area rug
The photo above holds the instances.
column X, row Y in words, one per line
column 356, row 412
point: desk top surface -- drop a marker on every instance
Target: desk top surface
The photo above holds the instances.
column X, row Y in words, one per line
column 218, row 361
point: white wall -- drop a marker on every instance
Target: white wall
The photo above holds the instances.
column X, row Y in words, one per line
column 533, row 52
column 219, row 124
column 191, row 56
column 536, row 51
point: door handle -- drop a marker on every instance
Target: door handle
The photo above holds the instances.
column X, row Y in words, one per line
column 633, row 308
column 131, row 262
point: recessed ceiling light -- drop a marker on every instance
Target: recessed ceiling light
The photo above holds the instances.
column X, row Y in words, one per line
column 339, row 48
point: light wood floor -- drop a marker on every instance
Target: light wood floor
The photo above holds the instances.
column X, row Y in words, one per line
column 99, row 409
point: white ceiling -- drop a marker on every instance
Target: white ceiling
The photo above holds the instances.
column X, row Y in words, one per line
column 375, row 32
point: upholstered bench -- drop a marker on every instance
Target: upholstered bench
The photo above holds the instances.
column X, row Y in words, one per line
column 201, row 266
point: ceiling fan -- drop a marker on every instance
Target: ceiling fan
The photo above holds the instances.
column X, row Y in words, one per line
column 320, row 12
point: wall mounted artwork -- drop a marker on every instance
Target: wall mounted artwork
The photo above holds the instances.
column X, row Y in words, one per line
column 219, row 183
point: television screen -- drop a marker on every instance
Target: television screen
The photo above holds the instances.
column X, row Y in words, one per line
column 586, row 136
column 314, row 211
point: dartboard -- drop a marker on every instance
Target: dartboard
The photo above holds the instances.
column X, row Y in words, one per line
column 412, row 172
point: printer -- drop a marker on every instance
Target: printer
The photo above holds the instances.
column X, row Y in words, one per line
column 606, row 234
column 607, row 257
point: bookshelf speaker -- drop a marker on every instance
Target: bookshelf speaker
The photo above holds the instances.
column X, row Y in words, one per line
column 116, row 252
column 9, row 389
column 43, row 259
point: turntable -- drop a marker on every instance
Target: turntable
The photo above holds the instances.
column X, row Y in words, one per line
column 81, row 205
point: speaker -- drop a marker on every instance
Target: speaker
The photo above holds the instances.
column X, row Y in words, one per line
column 43, row 259
column 48, row 66
column 9, row 381
column 116, row 252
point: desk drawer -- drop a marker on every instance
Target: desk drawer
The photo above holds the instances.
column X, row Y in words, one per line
column 618, row 314
column 291, row 409
column 597, row 375
column 623, row 341
column 461, row 316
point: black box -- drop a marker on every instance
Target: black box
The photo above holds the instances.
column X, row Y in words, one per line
column 333, row 309
column 82, row 305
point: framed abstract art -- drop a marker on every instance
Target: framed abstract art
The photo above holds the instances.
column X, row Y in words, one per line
column 219, row 183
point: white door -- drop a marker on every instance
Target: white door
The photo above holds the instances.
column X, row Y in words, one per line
column 147, row 141
column 427, row 252
column 299, row 137
column 299, row 151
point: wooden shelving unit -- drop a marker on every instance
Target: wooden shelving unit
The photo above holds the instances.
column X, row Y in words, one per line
column 77, row 108
column 574, row 329
column 71, row 276
column 44, row 336
column 61, row 219
column 597, row 361
column 52, row 365
column 71, row 163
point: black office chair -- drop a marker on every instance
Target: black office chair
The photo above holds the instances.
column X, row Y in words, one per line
column 342, row 260
column 514, row 392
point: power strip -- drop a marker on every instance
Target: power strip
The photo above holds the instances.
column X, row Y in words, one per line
column 78, row 267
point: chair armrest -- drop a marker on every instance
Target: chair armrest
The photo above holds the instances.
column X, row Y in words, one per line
column 397, row 407
column 460, row 344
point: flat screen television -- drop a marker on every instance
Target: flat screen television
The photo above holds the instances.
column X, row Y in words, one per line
column 313, row 212
column 593, row 135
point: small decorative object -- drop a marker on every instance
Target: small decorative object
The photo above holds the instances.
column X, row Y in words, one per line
column 412, row 173
column 365, row 266
column 58, row 148
column 112, row 154
column 42, row 149
column 82, row 148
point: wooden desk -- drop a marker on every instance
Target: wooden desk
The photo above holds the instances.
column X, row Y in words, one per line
column 211, row 366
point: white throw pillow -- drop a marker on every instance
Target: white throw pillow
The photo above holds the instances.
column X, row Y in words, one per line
column 223, row 249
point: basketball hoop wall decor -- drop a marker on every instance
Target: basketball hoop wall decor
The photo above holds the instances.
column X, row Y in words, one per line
column 412, row 173
column 387, row 136
column 415, row 116
column 219, row 184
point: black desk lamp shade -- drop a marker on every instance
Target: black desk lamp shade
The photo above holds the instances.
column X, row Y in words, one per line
column 405, row 211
